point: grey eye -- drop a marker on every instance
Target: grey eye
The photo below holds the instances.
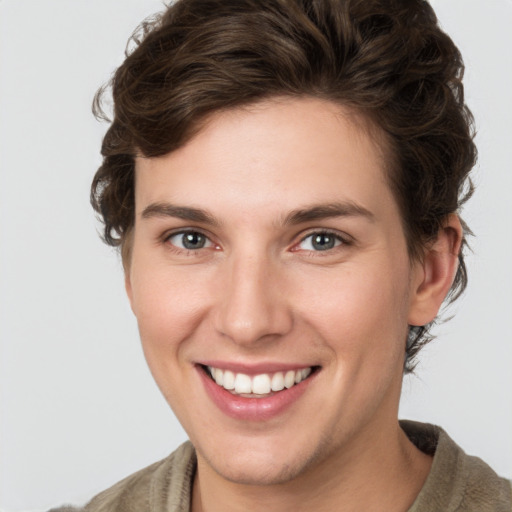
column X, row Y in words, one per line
column 320, row 242
column 190, row 240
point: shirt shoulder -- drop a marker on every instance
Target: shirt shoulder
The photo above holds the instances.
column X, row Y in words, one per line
column 164, row 486
column 457, row 482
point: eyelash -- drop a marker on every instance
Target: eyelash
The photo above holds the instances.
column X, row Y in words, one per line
column 339, row 240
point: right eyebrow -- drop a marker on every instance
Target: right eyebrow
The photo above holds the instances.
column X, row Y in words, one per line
column 181, row 212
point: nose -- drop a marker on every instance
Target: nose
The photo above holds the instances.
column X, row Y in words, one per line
column 252, row 306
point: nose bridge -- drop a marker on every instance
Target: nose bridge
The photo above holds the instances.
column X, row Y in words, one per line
column 253, row 306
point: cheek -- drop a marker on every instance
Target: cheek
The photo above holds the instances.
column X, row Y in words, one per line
column 362, row 314
column 169, row 306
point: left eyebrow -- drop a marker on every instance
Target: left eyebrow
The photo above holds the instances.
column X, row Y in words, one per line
column 327, row 211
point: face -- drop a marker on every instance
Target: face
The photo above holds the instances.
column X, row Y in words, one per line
column 273, row 289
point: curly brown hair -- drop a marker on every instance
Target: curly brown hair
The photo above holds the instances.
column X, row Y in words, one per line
column 386, row 59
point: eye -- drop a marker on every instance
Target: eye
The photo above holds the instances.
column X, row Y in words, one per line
column 320, row 241
column 189, row 240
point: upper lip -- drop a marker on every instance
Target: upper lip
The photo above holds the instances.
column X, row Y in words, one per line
column 255, row 368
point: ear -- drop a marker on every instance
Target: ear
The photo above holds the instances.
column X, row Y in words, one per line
column 128, row 286
column 126, row 258
column 434, row 275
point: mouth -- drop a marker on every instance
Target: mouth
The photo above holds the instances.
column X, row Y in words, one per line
column 262, row 385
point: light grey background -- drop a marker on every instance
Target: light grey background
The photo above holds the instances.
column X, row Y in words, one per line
column 79, row 409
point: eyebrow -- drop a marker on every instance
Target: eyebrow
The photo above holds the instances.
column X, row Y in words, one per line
column 298, row 216
column 326, row 211
column 180, row 212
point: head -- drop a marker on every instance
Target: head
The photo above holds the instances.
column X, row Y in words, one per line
column 386, row 61
column 283, row 178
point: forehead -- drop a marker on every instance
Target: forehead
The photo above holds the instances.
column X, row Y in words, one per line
column 274, row 155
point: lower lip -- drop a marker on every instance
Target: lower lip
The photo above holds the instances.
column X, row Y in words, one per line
column 253, row 409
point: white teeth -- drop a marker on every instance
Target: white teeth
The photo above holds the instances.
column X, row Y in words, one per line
column 243, row 383
column 262, row 384
column 277, row 383
column 289, row 379
column 218, row 376
column 306, row 372
column 229, row 380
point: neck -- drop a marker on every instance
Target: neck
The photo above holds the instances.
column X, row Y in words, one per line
column 382, row 470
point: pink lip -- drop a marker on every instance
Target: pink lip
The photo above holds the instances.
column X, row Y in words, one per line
column 252, row 409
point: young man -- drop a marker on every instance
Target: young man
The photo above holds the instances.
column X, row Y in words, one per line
column 283, row 178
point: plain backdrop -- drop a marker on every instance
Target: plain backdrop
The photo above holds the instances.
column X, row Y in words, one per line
column 79, row 409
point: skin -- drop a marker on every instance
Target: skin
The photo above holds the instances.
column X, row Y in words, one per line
column 259, row 291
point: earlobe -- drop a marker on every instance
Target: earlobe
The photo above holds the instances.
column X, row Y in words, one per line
column 434, row 275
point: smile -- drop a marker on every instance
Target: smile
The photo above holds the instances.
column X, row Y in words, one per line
column 255, row 395
column 260, row 385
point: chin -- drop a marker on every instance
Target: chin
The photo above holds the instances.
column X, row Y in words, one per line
column 257, row 472
column 265, row 465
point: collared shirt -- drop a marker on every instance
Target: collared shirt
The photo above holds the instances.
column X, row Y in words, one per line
column 456, row 483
